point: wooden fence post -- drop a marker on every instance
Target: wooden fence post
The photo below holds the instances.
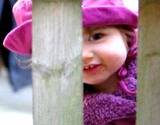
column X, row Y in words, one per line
column 149, row 63
column 57, row 84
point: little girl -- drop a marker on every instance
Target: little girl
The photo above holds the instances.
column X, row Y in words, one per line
column 109, row 58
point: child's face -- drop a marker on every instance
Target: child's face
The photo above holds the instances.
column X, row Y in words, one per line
column 104, row 52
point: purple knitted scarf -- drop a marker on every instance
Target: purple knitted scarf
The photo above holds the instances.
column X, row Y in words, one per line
column 102, row 108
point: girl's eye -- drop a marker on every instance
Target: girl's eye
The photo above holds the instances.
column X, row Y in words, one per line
column 96, row 36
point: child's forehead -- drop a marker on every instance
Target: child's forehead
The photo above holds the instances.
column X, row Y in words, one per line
column 91, row 29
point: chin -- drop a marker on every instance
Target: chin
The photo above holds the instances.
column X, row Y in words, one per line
column 91, row 82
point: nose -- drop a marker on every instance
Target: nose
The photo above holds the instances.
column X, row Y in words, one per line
column 87, row 55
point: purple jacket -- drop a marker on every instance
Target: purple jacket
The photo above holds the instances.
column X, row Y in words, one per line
column 109, row 109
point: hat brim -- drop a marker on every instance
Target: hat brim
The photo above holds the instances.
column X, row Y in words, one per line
column 104, row 16
column 19, row 40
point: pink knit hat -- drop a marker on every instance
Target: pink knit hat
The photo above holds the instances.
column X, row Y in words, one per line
column 107, row 12
column 95, row 13
column 19, row 40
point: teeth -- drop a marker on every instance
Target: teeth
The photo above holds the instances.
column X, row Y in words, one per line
column 91, row 66
column 88, row 67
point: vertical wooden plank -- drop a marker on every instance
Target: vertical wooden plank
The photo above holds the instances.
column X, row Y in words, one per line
column 149, row 63
column 57, row 62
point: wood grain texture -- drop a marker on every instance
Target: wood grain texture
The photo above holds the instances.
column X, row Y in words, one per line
column 57, row 63
column 149, row 64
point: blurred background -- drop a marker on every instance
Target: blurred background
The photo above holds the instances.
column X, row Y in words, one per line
column 15, row 80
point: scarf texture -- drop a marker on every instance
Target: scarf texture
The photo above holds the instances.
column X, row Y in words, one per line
column 103, row 108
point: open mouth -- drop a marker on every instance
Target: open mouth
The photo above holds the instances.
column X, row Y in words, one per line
column 93, row 68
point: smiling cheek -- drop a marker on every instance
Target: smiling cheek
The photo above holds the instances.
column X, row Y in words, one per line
column 115, row 54
column 115, row 62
